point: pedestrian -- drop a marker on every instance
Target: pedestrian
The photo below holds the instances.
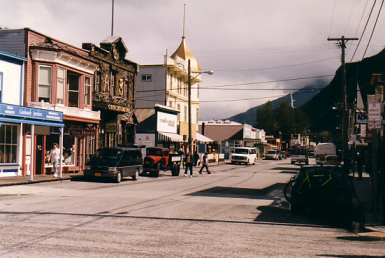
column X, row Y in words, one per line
column 55, row 157
column 195, row 158
column 205, row 164
column 188, row 165
column 182, row 157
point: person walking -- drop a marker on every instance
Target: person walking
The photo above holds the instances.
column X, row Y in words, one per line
column 55, row 157
column 205, row 164
column 188, row 165
column 195, row 158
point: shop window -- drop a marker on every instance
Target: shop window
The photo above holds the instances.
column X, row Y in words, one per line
column 69, row 147
column 87, row 91
column 45, row 83
column 113, row 91
column 73, row 89
column 1, row 87
column 60, row 86
column 8, row 143
column 97, row 81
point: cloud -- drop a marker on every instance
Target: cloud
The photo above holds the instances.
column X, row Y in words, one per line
column 243, row 41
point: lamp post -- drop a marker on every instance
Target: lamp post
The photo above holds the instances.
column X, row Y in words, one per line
column 189, row 79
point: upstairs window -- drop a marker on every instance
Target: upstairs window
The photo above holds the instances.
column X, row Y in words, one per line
column 146, row 77
column 87, row 91
column 60, row 86
column 73, row 89
column 45, row 83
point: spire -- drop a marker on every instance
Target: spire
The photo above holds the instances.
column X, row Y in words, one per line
column 184, row 22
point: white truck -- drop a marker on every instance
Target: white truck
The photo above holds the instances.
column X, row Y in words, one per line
column 325, row 152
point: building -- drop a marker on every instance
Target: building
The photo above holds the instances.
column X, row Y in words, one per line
column 59, row 78
column 158, row 126
column 167, row 84
column 18, row 123
column 114, row 91
column 229, row 134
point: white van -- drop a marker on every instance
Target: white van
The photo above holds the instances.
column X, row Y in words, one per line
column 243, row 155
column 324, row 150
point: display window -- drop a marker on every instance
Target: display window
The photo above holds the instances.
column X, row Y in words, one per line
column 8, row 143
column 69, row 149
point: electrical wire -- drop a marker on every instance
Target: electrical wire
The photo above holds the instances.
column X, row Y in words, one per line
column 364, row 30
column 374, row 28
column 362, row 17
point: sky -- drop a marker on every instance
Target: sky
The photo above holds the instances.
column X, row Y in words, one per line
column 242, row 41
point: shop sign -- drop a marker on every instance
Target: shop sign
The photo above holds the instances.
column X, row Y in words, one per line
column 30, row 113
column 166, row 122
column 374, row 112
column 117, row 108
column 146, row 139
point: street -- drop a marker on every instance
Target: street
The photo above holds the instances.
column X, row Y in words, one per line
column 239, row 211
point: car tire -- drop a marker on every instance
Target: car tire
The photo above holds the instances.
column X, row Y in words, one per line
column 118, row 177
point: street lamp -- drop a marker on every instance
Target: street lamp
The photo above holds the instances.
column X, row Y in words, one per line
column 210, row 72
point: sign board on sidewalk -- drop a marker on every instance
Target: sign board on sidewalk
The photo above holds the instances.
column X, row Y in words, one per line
column 374, row 112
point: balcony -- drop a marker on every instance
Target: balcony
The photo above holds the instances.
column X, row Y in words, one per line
column 73, row 112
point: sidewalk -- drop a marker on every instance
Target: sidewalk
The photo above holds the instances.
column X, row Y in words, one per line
column 22, row 180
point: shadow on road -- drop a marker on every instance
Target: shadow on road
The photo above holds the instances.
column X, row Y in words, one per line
column 104, row 180
column 286, row 168
column 236, row 192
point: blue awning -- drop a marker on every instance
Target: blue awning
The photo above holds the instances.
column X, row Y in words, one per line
column 31, row 122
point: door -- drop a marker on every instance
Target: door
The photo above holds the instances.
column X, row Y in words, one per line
column 39, row 154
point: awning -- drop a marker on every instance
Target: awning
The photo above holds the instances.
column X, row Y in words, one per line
column 171, row 137
column 202, row 138
column 31, row 122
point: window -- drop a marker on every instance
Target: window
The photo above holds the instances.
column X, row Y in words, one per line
column 112, row 84
column 146, row 77
column 170, row 104
column 8, row 143
column 178, row 107
column 44, row 90
column 87, row 91
column 60, row 86
column 197, row 115
column 170, row 79
column 179, row 86
column 73, row 89
column 1, row 87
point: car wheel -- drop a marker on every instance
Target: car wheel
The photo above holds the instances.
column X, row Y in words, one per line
column 118, row 177
column 137, row 173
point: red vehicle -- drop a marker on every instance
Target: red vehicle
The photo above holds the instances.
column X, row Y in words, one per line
column 160, row 159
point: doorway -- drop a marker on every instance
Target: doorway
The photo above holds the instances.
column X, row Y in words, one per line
column 39, row 160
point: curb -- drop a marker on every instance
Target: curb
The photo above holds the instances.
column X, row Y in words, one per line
column 34, row 182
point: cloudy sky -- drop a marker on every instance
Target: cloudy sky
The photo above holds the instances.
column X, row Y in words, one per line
column 242, row 41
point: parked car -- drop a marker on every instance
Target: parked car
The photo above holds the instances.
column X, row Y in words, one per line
column 322, row 150
column 116, row 163
column 273, row 155
column 299, row 157
column 158, row 159
column 324, row 190
column 243, row 155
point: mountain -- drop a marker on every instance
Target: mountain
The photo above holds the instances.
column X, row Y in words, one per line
column 300, row 98
column 365, row 74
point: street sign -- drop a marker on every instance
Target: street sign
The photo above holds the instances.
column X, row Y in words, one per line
column 374, row 112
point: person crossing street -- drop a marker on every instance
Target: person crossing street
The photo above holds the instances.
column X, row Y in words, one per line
column 205, row 164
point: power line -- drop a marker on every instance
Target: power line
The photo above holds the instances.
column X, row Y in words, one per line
column 246, row 83
column 275, row 67
column 374, row 28
column 363, row 31
column 362, row 17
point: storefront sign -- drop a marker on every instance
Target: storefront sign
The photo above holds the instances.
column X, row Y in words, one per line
column 117, row 108
column 374, row 112
column 30, row 113
column 166, row 122
column 146, row 139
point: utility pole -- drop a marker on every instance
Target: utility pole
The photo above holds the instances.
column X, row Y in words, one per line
column 341, row 42
column 189, row 117
column 112, row 18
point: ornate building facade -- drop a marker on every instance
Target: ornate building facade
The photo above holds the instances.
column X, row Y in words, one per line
column 114, row 91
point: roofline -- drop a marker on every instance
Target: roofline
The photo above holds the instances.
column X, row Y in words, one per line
column 12, row 56
column 45, row 35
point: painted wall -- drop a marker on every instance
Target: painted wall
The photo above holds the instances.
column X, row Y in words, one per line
column 11, row 92
column 154, row 89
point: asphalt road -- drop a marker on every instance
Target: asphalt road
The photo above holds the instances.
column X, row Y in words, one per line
column 237, row 211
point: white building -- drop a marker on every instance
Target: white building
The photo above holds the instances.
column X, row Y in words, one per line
column 166, row 84
column 11, row 92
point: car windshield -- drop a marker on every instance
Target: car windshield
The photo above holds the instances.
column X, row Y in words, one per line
column 154, row 152
column 107, row 157
column 241, row 151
